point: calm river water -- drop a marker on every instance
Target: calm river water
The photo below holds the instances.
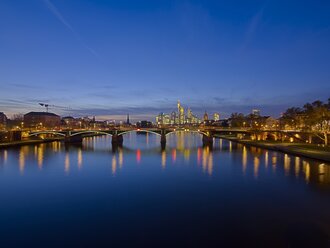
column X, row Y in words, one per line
column 141, row 196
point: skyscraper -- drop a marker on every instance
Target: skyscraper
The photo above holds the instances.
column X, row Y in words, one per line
column 180, row 113
column 216, row 117
column 189, row 116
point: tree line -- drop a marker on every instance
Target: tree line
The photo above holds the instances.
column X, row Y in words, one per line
column 311, row 117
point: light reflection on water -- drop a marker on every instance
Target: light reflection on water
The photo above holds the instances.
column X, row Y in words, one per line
column 186, row 147
column 216, row 184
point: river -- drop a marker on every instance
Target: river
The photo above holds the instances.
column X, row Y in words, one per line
column 54, row 195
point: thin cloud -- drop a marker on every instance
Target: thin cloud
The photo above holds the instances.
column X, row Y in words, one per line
column 60, row 17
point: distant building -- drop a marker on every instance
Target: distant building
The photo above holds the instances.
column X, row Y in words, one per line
column 206, row 117
column 41, row 119
column 256, row 112
column 216, row 117
column 70, row 122
column 163, row 119
column 178, row 117
column 144, row 124
column 181, row 114
column 174, row 118
column 3, row 120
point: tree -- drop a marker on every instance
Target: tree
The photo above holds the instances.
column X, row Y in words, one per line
column 237, row 120
column 18, row 117
column 292, row 117
column 318, row 119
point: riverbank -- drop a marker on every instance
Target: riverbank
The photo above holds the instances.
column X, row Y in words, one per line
column 299, row 149
column 28, row 142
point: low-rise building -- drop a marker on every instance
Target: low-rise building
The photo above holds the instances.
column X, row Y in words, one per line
column 41, row 120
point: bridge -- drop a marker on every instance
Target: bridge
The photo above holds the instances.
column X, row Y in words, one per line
column 207, row 133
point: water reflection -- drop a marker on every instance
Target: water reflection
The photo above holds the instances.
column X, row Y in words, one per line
column 297, row 166
column 173, row 155
column 22, row 160
column 138, row 156
column 79, row 159
column 256, row 163
column 3, row 157
column 244, row 159
column 185, row 181
column 163, row 159
column 120, row 157
column 40, row 152
column 253, row 162
column 114, row 165
column 67, row 163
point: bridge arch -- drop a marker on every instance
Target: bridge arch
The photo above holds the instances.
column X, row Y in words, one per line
column 144, row 131
column 45, row 132
column 90, row 131
column 189, row 131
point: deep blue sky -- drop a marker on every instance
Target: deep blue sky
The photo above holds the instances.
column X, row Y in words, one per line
column 112, row 57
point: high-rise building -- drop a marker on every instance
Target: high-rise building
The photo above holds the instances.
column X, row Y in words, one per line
column 127, row 120
column 189, row 116
column 178, row 117
column 174, row 118
column 163, row 119
column 216, row 117
column 181, row 114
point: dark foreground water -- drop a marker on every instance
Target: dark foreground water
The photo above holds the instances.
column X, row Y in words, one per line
column 140, row 196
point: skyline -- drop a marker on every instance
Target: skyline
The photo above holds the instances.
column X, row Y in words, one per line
column 112, row 58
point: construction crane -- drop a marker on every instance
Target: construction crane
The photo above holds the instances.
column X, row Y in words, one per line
column 46, row 105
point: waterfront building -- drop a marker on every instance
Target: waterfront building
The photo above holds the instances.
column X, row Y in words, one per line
column 3, row 120
column 41, row 120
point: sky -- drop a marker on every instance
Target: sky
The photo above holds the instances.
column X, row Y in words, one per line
column 108, row 58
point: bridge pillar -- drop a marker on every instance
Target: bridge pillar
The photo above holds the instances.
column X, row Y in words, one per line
column 163, row 139
column 208, row 140
column 15, row 135
column 117, row 140
column 76, row 139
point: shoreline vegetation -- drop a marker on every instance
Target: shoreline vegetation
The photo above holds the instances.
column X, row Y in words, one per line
column 311, row 151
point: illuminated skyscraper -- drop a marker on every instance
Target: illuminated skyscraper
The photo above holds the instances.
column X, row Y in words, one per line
column 180, row 113
column 174, row 118
column 189, row 116
column 163, row 119
column 216, row 117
